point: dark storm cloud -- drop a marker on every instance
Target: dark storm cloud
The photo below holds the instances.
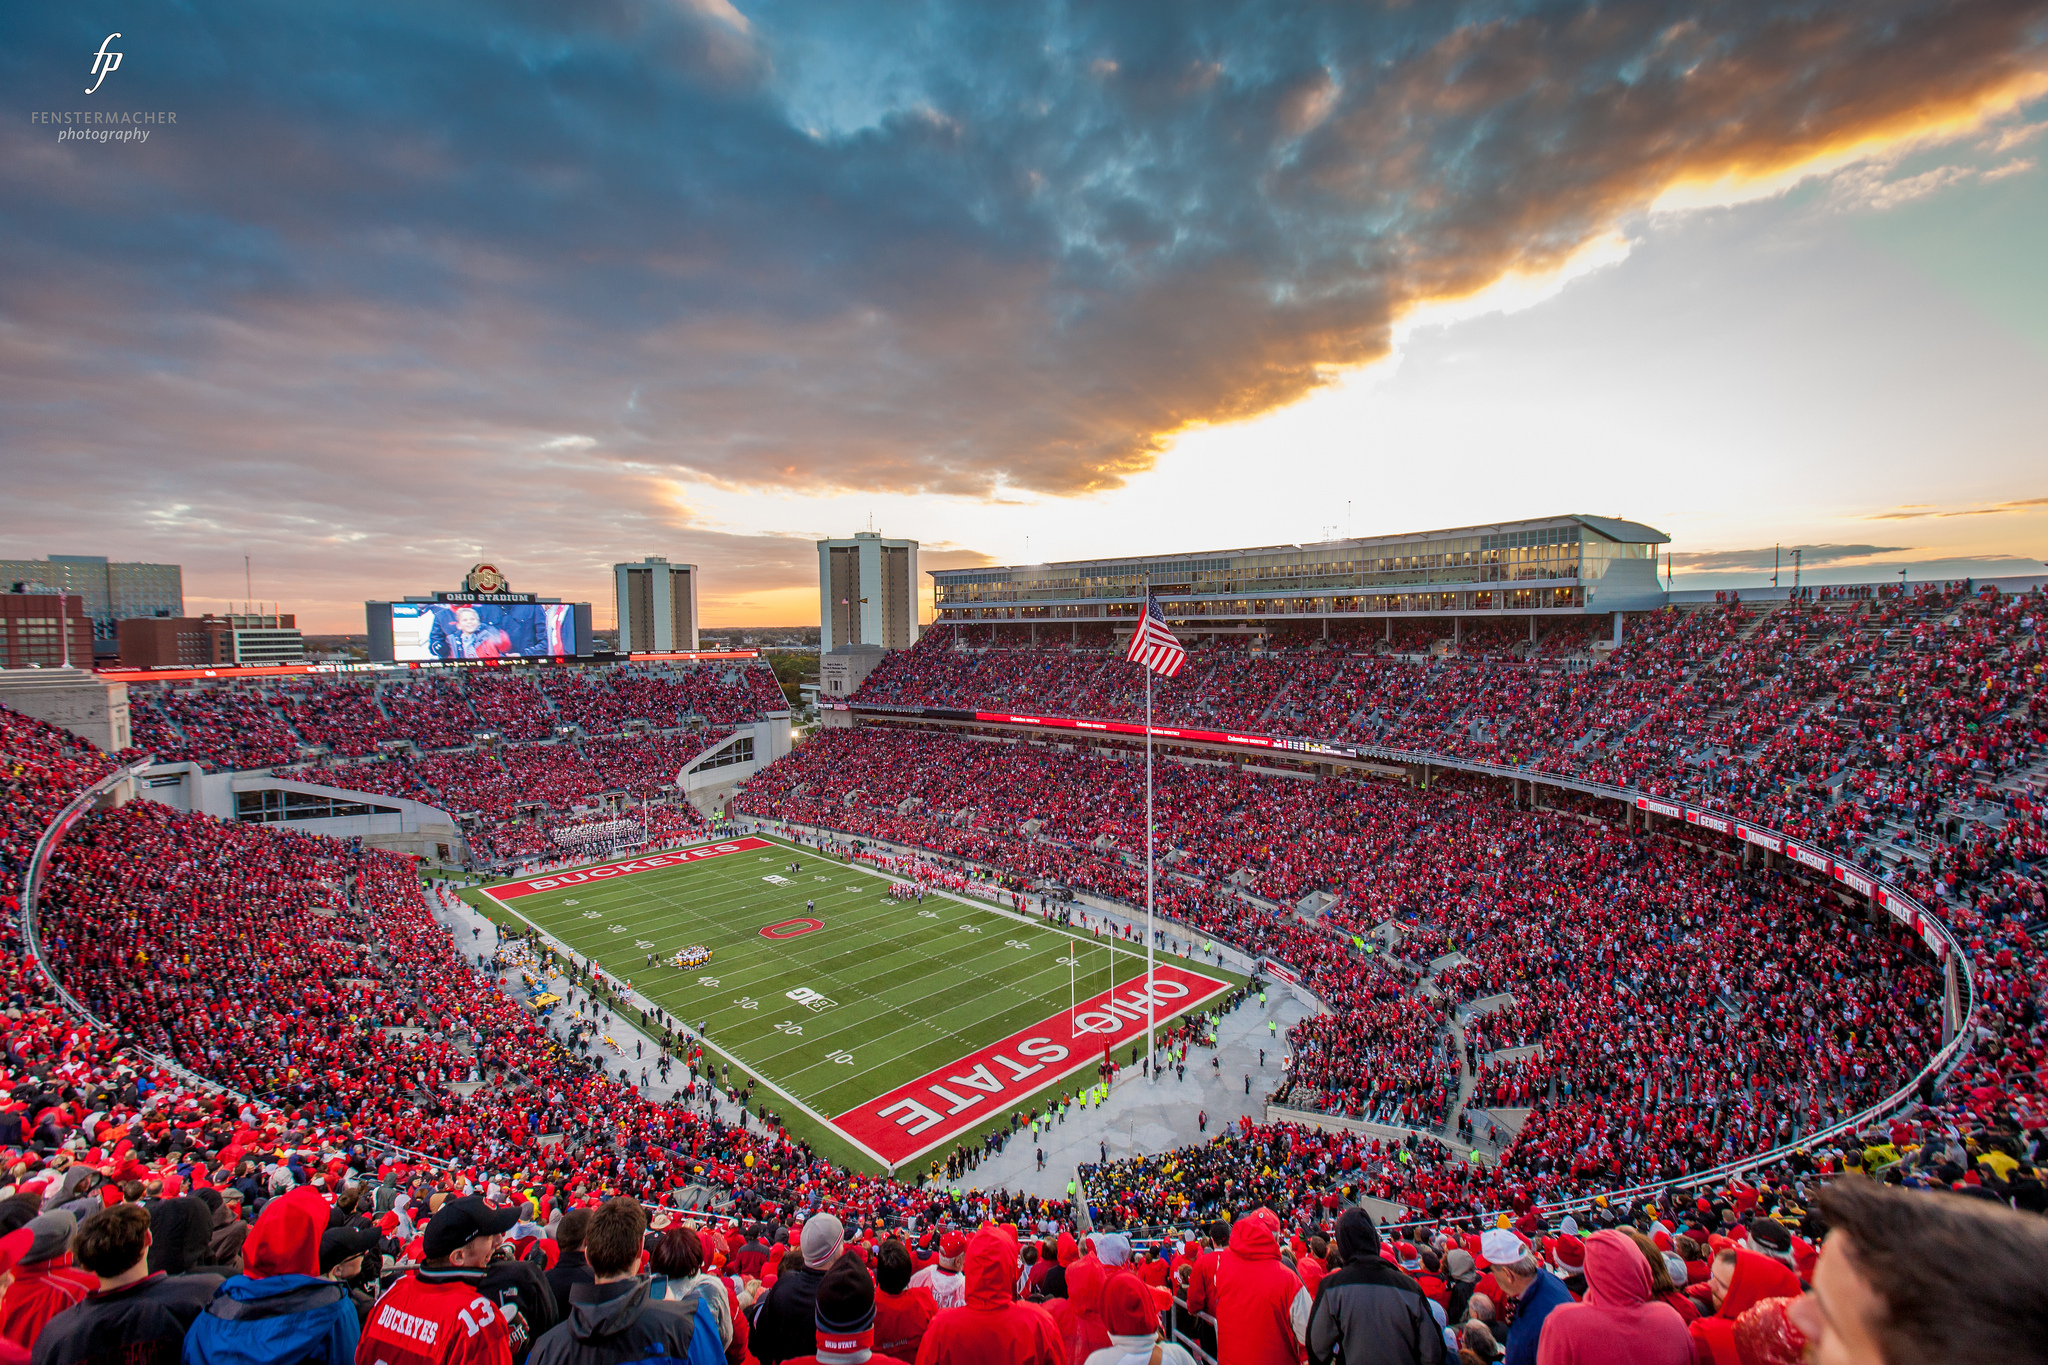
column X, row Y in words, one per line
column 391, row 256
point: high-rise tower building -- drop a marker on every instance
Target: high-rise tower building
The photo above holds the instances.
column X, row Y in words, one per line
column 867, row 592
column 657, row 606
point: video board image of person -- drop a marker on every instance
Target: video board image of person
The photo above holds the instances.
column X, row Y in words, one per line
column 463, row 632
column 480, row 630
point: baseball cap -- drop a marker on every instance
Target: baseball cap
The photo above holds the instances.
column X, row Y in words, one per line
column 1502, row 1247
column 1770, row 1235
column 462, row 1221
column 338, row 1244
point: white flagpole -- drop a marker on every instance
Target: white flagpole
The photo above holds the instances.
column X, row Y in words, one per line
column 1150, row 1009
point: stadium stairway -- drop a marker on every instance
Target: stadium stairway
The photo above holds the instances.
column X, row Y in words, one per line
column 1143, row 1119
column 462, row 922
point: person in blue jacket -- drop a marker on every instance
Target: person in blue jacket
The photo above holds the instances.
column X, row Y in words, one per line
column 1534, row 1290
column 280, row 1311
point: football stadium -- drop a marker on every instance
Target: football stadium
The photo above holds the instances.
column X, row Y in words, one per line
column 1559, row 916
column 865, row 685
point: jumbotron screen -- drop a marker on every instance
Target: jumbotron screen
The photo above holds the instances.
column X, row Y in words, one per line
column 425, row 631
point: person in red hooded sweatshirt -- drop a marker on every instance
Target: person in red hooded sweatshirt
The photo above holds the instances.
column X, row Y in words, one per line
column 11, row 1247
column 1620, row 1321
column 1202, row 1273
column 902, row 1310
column 1740, row 1280
column 1078, row 1316
column 1261, row 1305
column 992, row 1328
column 45, row 1281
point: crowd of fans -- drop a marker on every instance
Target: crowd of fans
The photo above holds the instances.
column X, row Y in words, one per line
column 1571, row 918
column 249, row 723
column 1826, row 718
column 309, row 977
column 501, row 749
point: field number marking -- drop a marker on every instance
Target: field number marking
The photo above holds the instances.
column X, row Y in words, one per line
column 617, row 928
column 1013, row 943
column 593, row 914
column 791, row 1027
column 970, row 928
column 927, row 914
column 710, row 981
column 643, row 945
column 747, row 1002
column 841, row 1057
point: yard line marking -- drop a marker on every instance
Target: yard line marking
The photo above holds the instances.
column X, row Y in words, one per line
column 769, row 1084
column 882, row 937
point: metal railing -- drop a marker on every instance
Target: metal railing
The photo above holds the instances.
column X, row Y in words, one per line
column 31, row 937
column 1943, row 1061
column 1902, row 907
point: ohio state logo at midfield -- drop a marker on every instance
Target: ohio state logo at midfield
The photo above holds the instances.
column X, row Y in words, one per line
column 791, row 928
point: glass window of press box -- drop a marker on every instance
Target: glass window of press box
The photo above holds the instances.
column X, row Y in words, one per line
column 1536, row 554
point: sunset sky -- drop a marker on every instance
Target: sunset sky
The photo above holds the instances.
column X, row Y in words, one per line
column 410, row 286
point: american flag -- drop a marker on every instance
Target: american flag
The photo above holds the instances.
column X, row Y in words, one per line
column 1153, row 645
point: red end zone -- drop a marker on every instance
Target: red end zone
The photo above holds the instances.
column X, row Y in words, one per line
column 979, row 1087
column 556, row 881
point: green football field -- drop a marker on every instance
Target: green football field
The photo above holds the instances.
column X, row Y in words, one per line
column 881, row 995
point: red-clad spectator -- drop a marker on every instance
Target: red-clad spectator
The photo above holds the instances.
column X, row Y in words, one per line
column 902, row 1310
column 992, row 1327
column 45, row 1280
column 1619, row 1322
column 1261, row 1305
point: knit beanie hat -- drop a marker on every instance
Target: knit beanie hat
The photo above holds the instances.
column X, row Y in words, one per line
column 52, row 1236
column 845, row 1316
column 822, row 1236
